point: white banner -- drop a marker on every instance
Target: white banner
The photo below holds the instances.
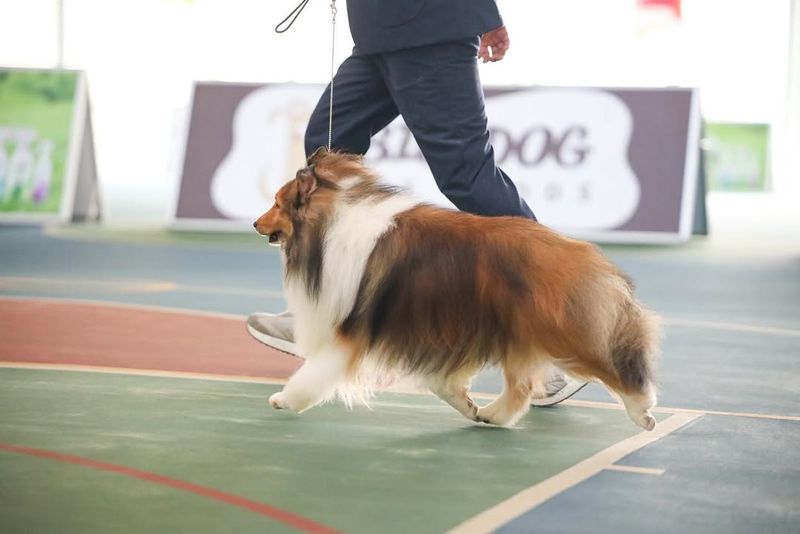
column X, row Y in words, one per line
column 602, row 164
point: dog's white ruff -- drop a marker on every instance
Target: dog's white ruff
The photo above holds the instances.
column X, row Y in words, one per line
column 352, row 232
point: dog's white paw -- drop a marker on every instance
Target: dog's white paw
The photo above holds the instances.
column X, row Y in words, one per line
column 643, row 419
column 638, row 408
column 495, row 415
column 278, row 401
column 646, row 421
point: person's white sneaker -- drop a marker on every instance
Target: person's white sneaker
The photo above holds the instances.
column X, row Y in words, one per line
column 559, row 387
column 275, row 330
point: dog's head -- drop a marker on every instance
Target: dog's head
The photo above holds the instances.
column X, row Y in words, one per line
column 310, row 195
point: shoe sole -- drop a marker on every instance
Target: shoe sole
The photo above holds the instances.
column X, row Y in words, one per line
column 282, row 345
column 563, row 394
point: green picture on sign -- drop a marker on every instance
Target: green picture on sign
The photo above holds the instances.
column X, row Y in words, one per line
column 36, row 113
column 737, row 157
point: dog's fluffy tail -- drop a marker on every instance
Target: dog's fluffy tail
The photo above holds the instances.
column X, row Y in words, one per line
column 625, row 334
column 634, row 346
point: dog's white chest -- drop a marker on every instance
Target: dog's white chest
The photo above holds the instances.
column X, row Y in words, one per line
column 348, row 244
column 349, row 240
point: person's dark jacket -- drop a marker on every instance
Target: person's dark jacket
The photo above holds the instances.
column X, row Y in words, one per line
column 386, row 25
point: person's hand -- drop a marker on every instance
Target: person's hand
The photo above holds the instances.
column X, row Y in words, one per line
column 494, row 45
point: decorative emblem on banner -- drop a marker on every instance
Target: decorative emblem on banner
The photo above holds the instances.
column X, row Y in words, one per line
column 266, row 151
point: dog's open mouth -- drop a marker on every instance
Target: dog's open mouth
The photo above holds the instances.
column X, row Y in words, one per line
column 274, row 238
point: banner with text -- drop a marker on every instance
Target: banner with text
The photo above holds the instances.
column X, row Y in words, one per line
column 611, row 165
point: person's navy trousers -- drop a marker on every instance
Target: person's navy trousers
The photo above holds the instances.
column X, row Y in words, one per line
column 417, row 58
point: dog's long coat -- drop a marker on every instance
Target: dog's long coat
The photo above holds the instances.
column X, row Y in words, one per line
column 376, row 281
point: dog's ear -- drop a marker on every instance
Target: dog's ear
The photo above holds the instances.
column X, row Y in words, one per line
column 306, row 185
column 317, row 155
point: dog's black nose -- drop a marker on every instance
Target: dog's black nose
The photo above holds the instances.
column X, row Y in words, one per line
column 255, row 224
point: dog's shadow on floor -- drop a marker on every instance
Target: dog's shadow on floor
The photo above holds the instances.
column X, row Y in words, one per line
column 468, row 436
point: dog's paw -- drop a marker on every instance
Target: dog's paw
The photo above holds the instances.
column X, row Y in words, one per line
column 499, row 413
column 646, row 421
column 479, row 419
column 278, row 401
column 638, row 408
column 490, row 416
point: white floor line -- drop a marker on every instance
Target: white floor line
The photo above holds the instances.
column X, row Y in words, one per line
column 776, row 417
column 140, row 372
column 158, row 286
column 502, row 513
column 635, row 469
column 402, row 387
column 664, row 409
column 733, row 327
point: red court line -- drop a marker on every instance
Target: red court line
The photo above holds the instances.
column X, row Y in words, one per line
column 277, row 514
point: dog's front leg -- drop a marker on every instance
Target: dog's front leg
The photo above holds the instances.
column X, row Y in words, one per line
column 313, row 383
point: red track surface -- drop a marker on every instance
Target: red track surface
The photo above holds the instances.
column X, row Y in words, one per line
column 57, row 332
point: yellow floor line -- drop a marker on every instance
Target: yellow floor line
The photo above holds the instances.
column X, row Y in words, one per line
column 128, row 306
column 122, row 286
column 511, row 508
column 19, row 283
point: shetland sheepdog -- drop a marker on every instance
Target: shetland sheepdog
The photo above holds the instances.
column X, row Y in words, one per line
column 379, row 283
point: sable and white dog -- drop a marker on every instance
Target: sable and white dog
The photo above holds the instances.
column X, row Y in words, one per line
column 380, row 283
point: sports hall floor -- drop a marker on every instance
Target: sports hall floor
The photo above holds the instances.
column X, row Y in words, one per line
column 133, row 400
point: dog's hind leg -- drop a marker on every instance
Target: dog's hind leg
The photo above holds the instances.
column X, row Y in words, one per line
column 514, row 401
column 315, row 382
column 454, row 390
column 638, row 406
column 637, row 397
column 636, row 390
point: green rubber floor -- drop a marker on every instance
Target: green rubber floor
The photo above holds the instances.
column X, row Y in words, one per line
column 408, row 464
